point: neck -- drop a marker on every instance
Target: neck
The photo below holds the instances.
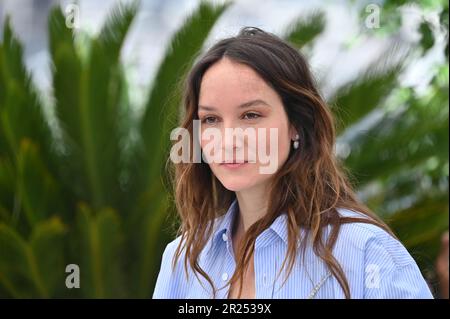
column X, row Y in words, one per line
column 252, row 206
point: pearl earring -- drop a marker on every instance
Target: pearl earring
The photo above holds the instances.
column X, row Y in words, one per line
column 296, row 142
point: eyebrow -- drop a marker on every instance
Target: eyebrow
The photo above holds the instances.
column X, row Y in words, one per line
column 243, row 105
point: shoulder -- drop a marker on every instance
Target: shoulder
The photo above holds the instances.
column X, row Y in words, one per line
column 171, row 281
column 366, row 237
column 172, row 246
column 169, row 254
column 372, row 253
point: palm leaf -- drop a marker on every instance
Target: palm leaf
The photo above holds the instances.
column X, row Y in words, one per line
column 47, row 246
column 37, row 189
column 305, row 29
column 21, row 113
column 7, row 187
column 404, row 187
column 88, row 101
column 361, row 96
column 27, row 268
column 150, row 235
column 14, row 276
column 388, row 146
column 100, row 238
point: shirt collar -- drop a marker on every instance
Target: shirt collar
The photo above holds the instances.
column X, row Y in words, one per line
column 225, row 223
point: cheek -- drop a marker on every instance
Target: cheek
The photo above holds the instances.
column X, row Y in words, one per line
column 284, row 146
column 278, row 145
column 210, row 145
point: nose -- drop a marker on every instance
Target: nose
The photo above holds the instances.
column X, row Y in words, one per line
column 232, row 141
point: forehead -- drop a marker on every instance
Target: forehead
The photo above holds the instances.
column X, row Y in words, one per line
column 230, row 83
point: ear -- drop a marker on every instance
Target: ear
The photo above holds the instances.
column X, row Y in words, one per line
column 292, row 132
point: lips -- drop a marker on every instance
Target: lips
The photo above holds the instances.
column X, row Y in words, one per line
column 234, row 162
column 233, row 165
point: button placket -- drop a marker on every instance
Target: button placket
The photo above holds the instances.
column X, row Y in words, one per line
column 265, row 270
column 226, row 266
column 225, row 276
column 265, row 279
column 229, row 244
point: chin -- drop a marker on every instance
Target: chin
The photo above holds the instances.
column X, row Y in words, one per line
column 238, row 183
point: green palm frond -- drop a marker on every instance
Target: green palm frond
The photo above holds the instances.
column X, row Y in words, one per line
column 38, row 190
column 14, row 275
column 98, row 254
column 7, row 185
column 112, row 35
column 66, row 88
column 304, row 30
column 405, row 139
column 361, row 96
column 47, row 246
column 27, row 266
column 21, row 113
column 406, row 185
column 88, row 102
column 149, row 232
column 22, row 123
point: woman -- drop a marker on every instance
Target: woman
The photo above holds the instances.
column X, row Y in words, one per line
column 297, row 231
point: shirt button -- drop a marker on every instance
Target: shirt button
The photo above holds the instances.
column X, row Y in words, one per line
column 224, row 276
column 224, row 237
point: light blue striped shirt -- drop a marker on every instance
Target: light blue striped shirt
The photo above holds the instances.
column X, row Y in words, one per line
column 375, row 264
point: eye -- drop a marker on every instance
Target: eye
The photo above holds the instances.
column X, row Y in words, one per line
column 209, row 120
column 251, row 116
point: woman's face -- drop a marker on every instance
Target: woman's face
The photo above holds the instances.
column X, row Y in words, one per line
column 234, row 96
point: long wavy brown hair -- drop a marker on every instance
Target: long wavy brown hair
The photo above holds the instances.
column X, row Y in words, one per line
column 309, row 186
